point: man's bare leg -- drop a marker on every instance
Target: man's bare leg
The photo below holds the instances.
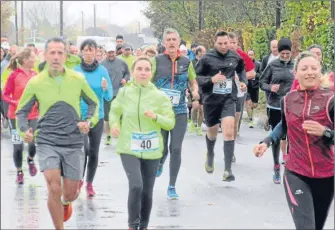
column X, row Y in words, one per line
column 53, row 179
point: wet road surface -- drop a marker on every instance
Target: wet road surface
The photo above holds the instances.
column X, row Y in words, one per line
column 251, row 202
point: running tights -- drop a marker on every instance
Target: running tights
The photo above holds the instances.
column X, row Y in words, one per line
column 274, row 118
column 176, row 141
column 141, row 178
column 18, row 147
column 309, row 199
column 92, row 145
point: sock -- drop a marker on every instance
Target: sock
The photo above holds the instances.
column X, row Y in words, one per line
column 228, row 150
column 30, row 160
column 64, row 202
column 210, row 150
column 19, row 172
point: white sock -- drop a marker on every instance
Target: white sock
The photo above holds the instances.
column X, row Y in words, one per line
column 64, row 202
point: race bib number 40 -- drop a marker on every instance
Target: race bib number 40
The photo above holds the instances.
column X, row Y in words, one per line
column 224, row 87
column 16, row 139
column 174, row 95
column 144, row 142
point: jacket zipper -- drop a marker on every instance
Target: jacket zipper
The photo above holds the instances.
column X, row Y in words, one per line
column 305, row 132
column 172, row 78
column 138, row 115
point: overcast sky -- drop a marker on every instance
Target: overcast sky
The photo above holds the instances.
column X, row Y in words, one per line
column 118, row 12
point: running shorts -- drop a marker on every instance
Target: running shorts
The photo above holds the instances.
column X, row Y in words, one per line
column 214, row 112
column 253, row 94
column 69, row 160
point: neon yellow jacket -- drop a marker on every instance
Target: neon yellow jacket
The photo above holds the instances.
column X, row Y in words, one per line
column 131, row 102
column 59, row 108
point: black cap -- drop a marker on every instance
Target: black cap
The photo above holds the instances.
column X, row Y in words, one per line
column 284, row 44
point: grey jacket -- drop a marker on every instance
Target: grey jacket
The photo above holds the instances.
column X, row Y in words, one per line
column 117, row 70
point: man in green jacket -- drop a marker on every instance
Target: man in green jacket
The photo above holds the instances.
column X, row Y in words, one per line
column 127, row 55
column 59, row 137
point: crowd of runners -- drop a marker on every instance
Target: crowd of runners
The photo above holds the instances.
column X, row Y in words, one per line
column 62, row 99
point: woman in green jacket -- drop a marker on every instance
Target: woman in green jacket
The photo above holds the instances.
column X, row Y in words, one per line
column 145, row 111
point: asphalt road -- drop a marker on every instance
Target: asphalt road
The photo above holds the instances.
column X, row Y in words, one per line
column 253, row 201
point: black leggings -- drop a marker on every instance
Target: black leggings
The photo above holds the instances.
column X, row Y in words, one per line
column 18, row 144
column 91, row 146
column 309, row 199
column 274, row 118
column 141, row 178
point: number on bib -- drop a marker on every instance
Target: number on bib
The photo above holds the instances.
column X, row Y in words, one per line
column 144, row 142
column 223, row 87
column 16, row 139
column 174, row 95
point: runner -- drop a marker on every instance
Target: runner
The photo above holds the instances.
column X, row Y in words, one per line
column 308, row 120
column 127, row 55
column 250, row 74
column 253, row 89
column 138, row 52
column 150, row 52
column 276, row 81
column 119, row 39
column 265, row 62
column 12, row 93
column 197, row 114
column 172, row 73
column 59, row 139
column 97, row 77
column 143, row 119
column 216, row 71
column 3, row 105
column 119, row 75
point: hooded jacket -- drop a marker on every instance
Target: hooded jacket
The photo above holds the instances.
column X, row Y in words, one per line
column 16, row 84
column 131, row 102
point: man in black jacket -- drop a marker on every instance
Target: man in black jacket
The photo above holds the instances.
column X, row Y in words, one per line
column 215, row 75
column 253, row 89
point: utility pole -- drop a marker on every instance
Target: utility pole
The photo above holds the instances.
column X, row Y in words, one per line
column 201, row 14
column 22, row 25
column 278, row 14
column 82, row 23
column 95, row 20
column 16, row 26
column 61, row 19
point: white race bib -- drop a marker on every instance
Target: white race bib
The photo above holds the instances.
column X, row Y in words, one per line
column 224, row 87
column 144, row 142
column 174, row 95
column 16, row 139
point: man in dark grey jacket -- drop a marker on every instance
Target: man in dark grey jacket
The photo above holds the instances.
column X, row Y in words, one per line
column 119, row 74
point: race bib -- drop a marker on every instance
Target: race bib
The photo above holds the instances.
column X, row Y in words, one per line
column 16, row 139
column 223, row 87
column 144, row 142
column 174, row 96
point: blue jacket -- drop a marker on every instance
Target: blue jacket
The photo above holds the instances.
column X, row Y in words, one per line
column 94, row 79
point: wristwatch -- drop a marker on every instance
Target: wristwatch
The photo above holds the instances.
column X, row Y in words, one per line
column 328, row 132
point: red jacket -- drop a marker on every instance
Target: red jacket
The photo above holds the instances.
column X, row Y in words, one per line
column 308, row 154
column 16, row 83
column 248, row 63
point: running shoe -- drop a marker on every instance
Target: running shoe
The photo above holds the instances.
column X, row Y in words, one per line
column 209, row 168
column 228, row 176
column 172, row 194
column 199, row 131
column 67, row 211
column 19, row 177
column 89, row 189
column 159, row 170
column 191, row 128
column 276, row 176
column 251, row 124
column 108, row 140
column 32, row 167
